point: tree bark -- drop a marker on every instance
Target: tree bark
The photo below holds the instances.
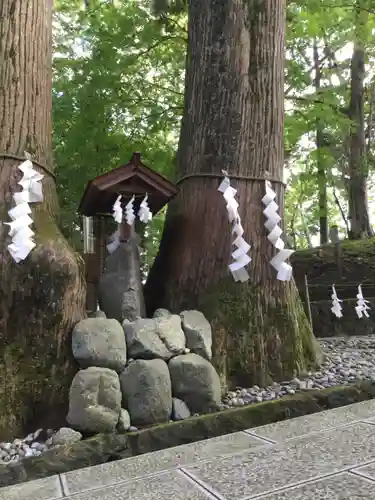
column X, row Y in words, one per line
column 358, row 168
column 42, row 297
column 233, row 120
column 321, row 167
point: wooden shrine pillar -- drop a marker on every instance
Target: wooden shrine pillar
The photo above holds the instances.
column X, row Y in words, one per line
column 95, row 263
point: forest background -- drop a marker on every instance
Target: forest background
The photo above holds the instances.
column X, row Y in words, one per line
column 118, row 87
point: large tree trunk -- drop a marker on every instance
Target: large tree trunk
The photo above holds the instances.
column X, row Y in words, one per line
column 42, row 297
column 358, row 169
column 233, row 120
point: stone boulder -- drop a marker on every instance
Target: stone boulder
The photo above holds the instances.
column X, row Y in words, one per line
column 120, row 286
column 198, row 333
column 99, row 342
column 124, row 421
column 65, row 436
column 95, row 400
column 195, row 381
column 160, row 337
column 98, row 314
column 160, row 313
column 180, row 410
column 147, row 392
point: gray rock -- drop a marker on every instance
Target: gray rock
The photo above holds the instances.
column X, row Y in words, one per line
column 160, row 337
column 195, row 381
column 120, row 287
column 98, row 314
column 124, row 421
column 95, row 400
column 99, row 342
column 146, row 390
column 65, row 436
column 198, row 333
column 180, row 410
column 160, row 313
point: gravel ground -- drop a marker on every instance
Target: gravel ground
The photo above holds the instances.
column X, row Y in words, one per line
column 37, row 443
column 347, row 360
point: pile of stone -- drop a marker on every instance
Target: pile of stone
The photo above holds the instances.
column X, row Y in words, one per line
column 142, row 372
column 37, row 443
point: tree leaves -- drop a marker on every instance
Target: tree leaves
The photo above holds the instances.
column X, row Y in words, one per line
column 119, row 84
column 118, row 88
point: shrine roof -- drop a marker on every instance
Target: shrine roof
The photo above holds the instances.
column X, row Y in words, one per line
column 133, row 178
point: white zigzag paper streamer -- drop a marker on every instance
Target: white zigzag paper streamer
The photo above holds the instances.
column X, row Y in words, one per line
column 117, row 210
column 114, row 241
column 19, row 227
column 129, row 212
column 336, row 306
column 144, row 212
column 284, row 270
column 361, row 307
column 241, row 259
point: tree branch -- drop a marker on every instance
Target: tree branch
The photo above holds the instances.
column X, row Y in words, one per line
column 316, row 101
column 350, row 6
column 309, row 71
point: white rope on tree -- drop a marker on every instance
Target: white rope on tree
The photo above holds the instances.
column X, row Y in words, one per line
column 240, row 255
column 284, row 270
column 19, row 228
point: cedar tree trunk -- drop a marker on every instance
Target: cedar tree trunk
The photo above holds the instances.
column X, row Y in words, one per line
column 358, row 169
column 42, row 297
column 233, row 120
column 321, row 168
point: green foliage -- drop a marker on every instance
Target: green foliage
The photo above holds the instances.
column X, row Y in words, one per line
column 119, row 83
column 334, row 29
column 118, row 88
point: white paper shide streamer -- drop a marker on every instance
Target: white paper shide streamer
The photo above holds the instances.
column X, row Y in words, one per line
column 144, row 212
column 284, row 270
column 129, row 212
column 117, row 210
column 114, row 241
column 118, row 216
column 336, row 306
column 361, row 307
column 241, row 259
column 19, row 227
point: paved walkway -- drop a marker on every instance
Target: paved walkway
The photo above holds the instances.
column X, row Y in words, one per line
column 329, row 455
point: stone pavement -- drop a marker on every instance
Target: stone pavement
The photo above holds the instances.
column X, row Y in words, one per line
column 329, row 455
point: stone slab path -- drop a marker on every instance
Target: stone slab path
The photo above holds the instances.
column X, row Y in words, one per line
column 329, row 455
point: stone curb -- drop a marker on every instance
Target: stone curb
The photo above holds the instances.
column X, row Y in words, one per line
column 103, row 448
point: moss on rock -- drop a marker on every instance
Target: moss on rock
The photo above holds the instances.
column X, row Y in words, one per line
column 107, row 447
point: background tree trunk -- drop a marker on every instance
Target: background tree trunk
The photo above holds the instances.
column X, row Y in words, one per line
column 320, row 159
column 43, row 297
column 233, row 120
column 358, row 168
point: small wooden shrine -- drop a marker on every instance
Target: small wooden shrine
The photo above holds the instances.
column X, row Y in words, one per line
column 96, row 206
